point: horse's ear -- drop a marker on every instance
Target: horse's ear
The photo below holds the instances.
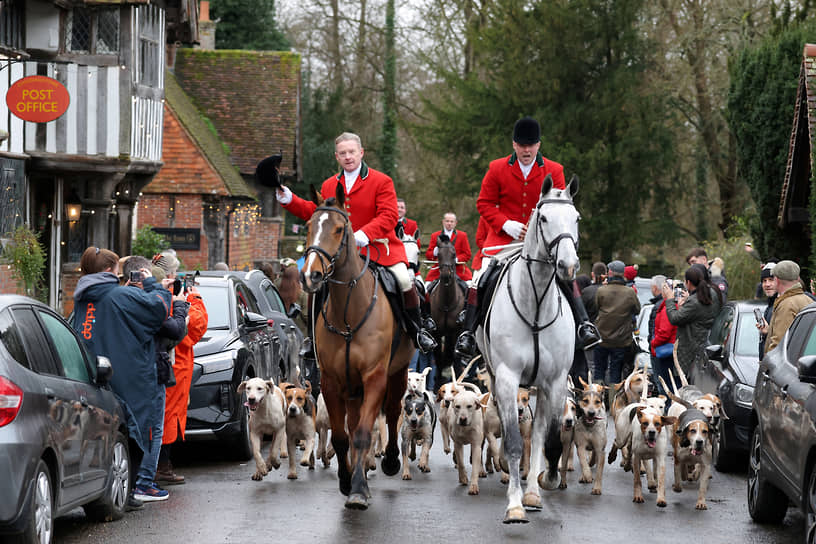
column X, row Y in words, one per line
column 572, row 187
column 316, row 198
column 340, row 195
column 546, row 185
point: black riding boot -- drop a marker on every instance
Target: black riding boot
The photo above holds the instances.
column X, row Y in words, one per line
column 423, row 339
column 466, row 348
column 588, row 335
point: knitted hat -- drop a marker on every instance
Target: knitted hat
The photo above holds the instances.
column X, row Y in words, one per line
column 527, row 131
column 766, row 271
column 786, row 271
column 629, row 273
column 617, row 267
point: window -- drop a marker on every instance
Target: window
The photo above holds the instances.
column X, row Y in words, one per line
column 12, row 192
column 12, row 24
column 273, row 297
column 67, row 346
column 217, row 303
column 150, row 60
column 747, row 342
column 10, row 336
column 721, row 326
column 92, row 31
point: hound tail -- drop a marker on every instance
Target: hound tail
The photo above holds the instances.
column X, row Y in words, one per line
column 672, row 395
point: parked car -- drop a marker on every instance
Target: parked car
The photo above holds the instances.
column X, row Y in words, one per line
column 63, row 434
column 288, row 337
column 730, row 373
column 782, row 456
column 238, row 344
column 644, row 289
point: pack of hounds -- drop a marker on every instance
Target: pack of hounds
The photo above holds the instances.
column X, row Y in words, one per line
column 644, row 430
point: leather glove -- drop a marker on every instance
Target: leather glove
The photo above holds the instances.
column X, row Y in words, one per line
column 284, row 195
column 513, row 228
column 361, row 238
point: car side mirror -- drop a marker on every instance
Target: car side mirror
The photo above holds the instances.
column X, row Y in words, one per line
column 104, row 370
column 255, row 320
column 807, row 369
column 294, row 310
column 715, row 352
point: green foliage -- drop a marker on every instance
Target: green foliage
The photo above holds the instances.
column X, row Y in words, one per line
column 761, row 102
column 248, row 25
column 148, row 242
column 741, row 269
column 388, row 150
column 27, row 258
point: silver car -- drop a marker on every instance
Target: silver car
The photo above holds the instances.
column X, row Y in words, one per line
column 63, row 435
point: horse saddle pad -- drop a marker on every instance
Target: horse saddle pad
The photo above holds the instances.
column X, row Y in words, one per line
column 390, row 286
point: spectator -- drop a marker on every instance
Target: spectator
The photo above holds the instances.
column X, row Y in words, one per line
column 768, row 286
column 119, row 322
column 617, row 305
column 656, row 286
column 693, row 315
column 791, row 299
column 598, row 275
column 661, row 332
column 223, row 267
column 698, row 255
column 629, row 274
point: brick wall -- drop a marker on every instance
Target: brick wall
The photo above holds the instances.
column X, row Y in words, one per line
column 187, row 213
column 8, row 285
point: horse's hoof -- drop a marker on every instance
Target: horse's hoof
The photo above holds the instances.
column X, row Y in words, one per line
column 357, row 501
column 390, row 465
column 531, row 502
column 545, row 482
column 515, row 515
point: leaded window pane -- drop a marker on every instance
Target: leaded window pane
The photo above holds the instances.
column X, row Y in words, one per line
column 78, row 31
column 107, row 36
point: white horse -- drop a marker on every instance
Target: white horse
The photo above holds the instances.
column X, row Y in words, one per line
column 528, row 338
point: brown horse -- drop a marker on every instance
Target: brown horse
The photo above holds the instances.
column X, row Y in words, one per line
column 446, row 300
column 362, row 351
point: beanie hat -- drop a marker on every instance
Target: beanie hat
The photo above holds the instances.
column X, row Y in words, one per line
column 629, row 273
column 766, row 271
column 527, row 131
column 786, row 271
column 617, row 267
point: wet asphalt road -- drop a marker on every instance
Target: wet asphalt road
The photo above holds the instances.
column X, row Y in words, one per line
column 220, row 503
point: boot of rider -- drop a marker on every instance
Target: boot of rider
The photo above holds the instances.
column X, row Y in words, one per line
column 424, row 341
column 588, row 335
column 465, row 348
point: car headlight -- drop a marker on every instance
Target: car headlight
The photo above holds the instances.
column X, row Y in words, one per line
column 743, row 395
column 217, row 361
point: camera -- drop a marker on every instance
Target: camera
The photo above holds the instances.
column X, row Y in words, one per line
column 760, row 319
column 189, row 280
column 135, row 276
column 678, row 292
column 177, row 285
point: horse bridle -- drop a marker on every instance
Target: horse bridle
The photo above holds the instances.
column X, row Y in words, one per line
column 553, row 244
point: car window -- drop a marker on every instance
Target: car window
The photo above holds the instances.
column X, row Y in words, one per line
column 800, row 335
column 10, row 336
column 273, row 297
column 245, row 299
column 36, row 345
column 810, row 345
column 217, row 303
column 747, row 338
column 68, row 349
column 721, row 326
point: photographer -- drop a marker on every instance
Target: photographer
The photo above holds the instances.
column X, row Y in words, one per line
column 119, row 322
column 692, row 311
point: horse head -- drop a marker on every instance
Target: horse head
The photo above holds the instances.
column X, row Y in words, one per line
column 555, row 229
column 328, row 240
column 446, row 257
column 411, row 251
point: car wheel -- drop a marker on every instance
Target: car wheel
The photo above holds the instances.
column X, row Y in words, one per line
column 111, row 505
column 766, row 503
column 723, row 459
column 241, row 446
column 810, row 513
column 40, row 526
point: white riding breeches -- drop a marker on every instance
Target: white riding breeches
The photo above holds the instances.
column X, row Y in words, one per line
column 403, row 277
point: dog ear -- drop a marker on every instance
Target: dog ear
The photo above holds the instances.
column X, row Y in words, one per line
column 668, row 420
column 241, row 387
column 307, row 406
column 308, row 386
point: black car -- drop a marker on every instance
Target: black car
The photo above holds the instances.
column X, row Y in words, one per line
column 63, row 434
column 782, row 459
column 238, row 344
column 730, row 373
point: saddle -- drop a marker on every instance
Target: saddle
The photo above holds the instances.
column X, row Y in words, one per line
column 390, row 287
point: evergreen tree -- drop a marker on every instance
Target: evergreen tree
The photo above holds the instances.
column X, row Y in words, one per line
column 247, row 24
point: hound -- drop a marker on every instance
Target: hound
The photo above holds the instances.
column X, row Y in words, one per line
column 266, row 416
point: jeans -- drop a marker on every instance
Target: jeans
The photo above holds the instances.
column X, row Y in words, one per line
column 611, row 360
column 150, row 459
column 420, row 362
column 661, row 367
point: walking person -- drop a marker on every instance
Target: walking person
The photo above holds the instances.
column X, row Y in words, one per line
column 120, row 323
column 617, row 306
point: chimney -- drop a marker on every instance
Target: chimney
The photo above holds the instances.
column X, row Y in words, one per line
column 206, row 28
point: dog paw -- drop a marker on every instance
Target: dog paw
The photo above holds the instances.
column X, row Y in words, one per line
column 424, row 468
column 505, row 479
column 562, row 485
column 677, row 488
column 406, row 477
column 638, row 500
column 257, row 476
column 595, row 492
column 284, row 455
column 661, row 503
column 473, row 490
column 463, row 481
column 292, row 476
column 273, row 464
column 482, row 474
column 304, row 463
column 585, row 480
column 447, row 450
column 701, row 506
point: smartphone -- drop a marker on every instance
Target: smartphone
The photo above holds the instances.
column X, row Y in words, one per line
column 760, row 319
column 177, row 284
column 135, row 276
column 678, row 292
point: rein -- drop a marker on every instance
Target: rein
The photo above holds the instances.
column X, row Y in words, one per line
column 348, row 332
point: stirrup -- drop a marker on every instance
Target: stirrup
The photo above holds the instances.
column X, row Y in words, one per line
column 460, row 319
column 588, row 335
column 465, row 346
column 425, row 342
column 429, row 324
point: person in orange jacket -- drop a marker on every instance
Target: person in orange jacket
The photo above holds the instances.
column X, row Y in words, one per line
column 175, row 411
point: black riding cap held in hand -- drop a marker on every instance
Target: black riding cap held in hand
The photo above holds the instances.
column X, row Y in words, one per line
column 267, row 171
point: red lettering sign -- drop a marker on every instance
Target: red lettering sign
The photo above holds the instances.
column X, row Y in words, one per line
column 38, row 99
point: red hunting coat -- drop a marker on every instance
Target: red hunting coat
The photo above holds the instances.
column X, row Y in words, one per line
column 460, row 242
column 506, row 195
column 371, row 207
column 481, row 236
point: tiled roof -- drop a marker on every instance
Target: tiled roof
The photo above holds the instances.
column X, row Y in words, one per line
column 252, row 98
column 805, row 111
column 195, row 159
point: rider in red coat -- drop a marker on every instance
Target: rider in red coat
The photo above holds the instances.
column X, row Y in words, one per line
column 510, row 191
column 371, row 205
column 460, row 242
column 409, row 226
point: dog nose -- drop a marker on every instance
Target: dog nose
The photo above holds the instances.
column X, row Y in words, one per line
column 698, row 444
column 591, row 414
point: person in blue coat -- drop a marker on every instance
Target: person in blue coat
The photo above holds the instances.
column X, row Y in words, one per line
column 120, row 322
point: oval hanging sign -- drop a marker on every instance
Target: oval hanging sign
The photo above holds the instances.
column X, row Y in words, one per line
column 38, row 99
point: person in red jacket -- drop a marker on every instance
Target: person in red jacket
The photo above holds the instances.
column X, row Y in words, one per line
column 664, row 333
column 510, row 191
column 409, row 226
column 371, row 204
column 460, row 242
